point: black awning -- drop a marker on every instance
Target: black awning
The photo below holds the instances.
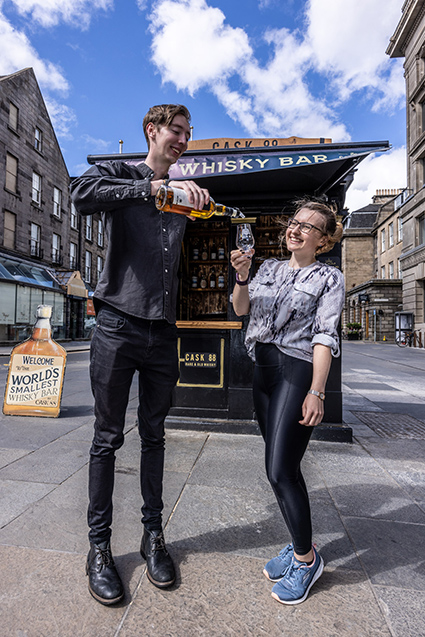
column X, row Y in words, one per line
column 268, row 177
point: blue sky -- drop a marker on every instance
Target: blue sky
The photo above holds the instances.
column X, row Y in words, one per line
column 245, row 68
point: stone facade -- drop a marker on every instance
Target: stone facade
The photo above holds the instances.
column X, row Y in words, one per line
column 408, row 41
column 37, row 224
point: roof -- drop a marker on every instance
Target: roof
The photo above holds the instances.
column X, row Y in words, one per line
column 364, row 218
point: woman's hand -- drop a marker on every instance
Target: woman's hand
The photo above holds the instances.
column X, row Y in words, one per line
column 312, row 411
column 241, row 262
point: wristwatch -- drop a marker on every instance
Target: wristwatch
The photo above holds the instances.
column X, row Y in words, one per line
column 319, row 394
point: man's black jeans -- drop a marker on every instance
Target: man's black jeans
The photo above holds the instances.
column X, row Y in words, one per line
column 120, row 346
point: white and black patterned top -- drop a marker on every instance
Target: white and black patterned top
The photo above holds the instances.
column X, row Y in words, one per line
column 295, row 308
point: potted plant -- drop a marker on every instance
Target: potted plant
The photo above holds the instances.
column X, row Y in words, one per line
column 353, row 331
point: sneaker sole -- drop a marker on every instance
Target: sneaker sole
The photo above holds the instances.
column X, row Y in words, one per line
column 292, row 602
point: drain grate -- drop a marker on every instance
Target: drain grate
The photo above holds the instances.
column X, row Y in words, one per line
column 396, row 426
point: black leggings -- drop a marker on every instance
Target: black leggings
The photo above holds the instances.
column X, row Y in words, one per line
column 281, row 383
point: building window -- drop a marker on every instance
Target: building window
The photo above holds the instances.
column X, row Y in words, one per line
column 89, row 228
column 38, row 139
column 100, row 233
column 13, row 116
column 391, row 270
column 391, row 235
column 382, row 271
column 383, row 240
column 9, row 230
column 74, row 217
column 99, row 266
column 11, row 173
column 73, row 256
column 421, row 227
column 88, row 267
column 35, row 249
column 400, row 228
column 399, row 270
column 36, row 188
column 56, row 248
column 57, row 202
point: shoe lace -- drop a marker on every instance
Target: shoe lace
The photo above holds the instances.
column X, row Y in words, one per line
column 294, row 573
column 158, row 543
column 105, row 556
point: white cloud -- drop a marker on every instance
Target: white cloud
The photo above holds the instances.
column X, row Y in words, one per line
column 16, row 53
column 50, row 13
column 348, row 41
column 62, row 116
column 95, row 145
column 344, row 42
column 192, row 46
column 376, row 172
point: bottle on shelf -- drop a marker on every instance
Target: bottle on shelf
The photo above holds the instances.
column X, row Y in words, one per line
column 221, row 250
column 212, row 279
column 195, row 249
column 36, row 371
column 221, row 279
column 204, row 251
column 202, row 279
column 195, row 278
column 213, row 251
column 176, row 200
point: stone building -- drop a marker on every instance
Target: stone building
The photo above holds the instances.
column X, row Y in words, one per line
column 43, row 243
column 408, row 41
column 371, row 250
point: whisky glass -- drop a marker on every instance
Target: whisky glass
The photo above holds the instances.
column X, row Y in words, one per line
column 244, row 237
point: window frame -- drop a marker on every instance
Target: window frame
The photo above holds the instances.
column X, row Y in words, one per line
column 14, row 176
column 73, row 255
column 383, row 240
column 74, row 217
column 89, row 228
column 7, row 231
column 57, row 202
column 88, row 266
column 34, row 190
column 10, row 123
column 56, row 249
column 38, row 139
column 35, row 241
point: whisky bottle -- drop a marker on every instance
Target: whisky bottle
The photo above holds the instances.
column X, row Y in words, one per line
column 212, row 278
column 195, row 278
column 195, row 249
column 176, row 200
column 36, row 371
column 204, row 251
column 221, row 280
column 213, row 251
column 203, row 280
column 221, row 250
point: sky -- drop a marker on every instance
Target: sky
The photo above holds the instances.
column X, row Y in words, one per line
column 244, row 68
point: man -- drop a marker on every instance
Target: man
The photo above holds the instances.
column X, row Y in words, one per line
column 135, row 302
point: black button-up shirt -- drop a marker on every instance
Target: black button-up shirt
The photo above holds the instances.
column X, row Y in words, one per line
column 140, row 270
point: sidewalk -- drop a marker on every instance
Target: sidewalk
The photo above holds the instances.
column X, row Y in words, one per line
column 368, row 505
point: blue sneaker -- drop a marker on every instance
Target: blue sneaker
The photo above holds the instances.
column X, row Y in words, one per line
column 276, row 568
column 294, row 587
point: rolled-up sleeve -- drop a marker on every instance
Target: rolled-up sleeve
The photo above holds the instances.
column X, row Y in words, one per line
column 328, row 312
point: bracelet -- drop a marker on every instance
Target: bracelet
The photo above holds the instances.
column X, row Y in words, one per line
column 239, row 282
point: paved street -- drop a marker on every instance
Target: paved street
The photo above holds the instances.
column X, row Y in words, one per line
column 368, row 502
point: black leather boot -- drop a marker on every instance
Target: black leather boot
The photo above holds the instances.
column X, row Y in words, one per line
column 160, row 567
column 104, row 582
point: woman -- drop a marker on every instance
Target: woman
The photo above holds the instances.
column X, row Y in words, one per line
column 294, row 309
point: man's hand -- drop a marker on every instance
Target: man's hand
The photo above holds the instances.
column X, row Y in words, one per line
column 198, row 197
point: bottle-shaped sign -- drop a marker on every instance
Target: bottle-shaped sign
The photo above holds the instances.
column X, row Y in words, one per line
column 36, row 371
column 176, row 200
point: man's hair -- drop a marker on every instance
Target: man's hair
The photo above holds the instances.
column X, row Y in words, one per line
column 162, row 115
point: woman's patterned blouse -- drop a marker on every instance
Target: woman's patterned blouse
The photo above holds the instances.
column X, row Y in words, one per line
column 295, row 308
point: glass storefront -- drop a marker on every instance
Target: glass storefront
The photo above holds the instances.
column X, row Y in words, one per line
column 22, row 288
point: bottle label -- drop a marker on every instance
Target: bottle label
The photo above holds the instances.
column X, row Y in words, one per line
column 194, row 281
column 195, row 254
column 221, row 253
column 221, row 281
column 203, row 283
column 180, row 198
column 212, row 283
column 34, row 381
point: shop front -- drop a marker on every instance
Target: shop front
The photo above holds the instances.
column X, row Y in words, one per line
column 263, row 181
column 24, row 286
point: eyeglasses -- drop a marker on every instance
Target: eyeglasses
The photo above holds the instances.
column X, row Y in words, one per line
column 304, row 227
